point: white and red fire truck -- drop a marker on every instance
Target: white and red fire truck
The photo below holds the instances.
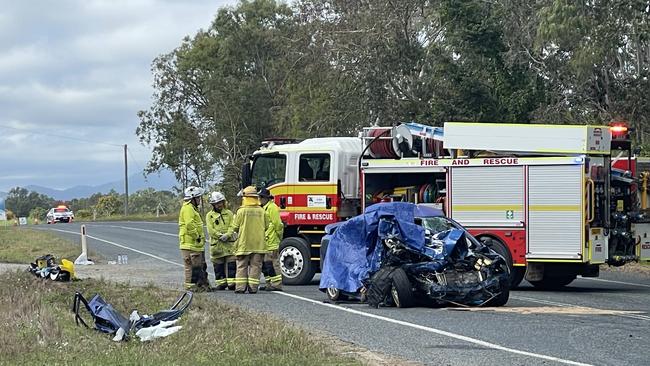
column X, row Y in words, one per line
column 544, row 196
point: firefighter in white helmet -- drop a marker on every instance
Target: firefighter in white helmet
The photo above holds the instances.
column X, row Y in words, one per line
column 192, row 241
column 250, row 223
column 218, row 221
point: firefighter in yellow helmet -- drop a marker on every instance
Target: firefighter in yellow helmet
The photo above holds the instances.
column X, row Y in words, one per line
column 273, row 236
column 192, row 241
column 250, row 223
column 218, row 221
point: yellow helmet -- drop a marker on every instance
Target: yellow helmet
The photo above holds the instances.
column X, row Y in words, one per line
column 249, row 191
column 67, row 266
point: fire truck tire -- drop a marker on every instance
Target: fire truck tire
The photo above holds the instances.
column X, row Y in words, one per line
column 553, row 282
column 295, row 261
column 516, row 273
column 401, row 290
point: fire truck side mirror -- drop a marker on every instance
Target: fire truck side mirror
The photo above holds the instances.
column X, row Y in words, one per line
column 283, row 202
column 246, row 177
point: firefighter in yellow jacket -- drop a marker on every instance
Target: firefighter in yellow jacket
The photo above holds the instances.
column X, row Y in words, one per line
column 192, row 241
column 218, row 221
column 250, row 223
column 273, row 236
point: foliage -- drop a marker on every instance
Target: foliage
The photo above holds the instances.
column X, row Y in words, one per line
column 22, row 245
column 82, row 214
column 149, row 201
column 109, row 204
column 21, row 201
column 326, row 67
column 38, row 213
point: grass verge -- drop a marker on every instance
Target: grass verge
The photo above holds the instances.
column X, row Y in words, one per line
column 22, row 245
column 39, row 329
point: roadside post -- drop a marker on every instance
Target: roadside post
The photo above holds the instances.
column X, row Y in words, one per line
column 83, row 258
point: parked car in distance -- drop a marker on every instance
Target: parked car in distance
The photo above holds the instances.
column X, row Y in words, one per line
column 60, row 213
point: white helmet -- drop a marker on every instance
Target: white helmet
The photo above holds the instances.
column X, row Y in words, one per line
column 191, row 192
column 216, row 197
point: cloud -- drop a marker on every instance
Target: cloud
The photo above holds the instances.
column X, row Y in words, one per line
column 73, row 75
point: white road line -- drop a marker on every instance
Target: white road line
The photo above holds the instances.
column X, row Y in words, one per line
column 610, row 281
column 123, row 247
column 437, row 331
column 145, row 230
column 379, row 317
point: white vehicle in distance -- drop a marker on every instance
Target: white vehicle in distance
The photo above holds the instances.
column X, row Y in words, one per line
column 59, row 214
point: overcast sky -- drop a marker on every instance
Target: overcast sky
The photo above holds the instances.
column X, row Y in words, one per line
column 82, row 69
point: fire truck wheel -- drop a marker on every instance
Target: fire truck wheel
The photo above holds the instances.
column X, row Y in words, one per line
column 516, row 273
column 553, row 282
column 401, row 291
column 295, row 261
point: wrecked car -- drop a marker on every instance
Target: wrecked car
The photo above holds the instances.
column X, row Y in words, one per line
column 402, row 254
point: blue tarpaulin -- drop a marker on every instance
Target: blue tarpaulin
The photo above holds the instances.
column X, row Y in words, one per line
column 354, row 250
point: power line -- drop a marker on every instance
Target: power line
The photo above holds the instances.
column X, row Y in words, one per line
column 32, row 132
column 134, row 160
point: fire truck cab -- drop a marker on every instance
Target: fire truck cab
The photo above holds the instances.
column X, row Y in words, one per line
column 315, row 182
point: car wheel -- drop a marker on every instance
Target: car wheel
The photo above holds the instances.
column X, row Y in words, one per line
column 502, row 298
column 401, row 290
column 295, row 261
column 333, row 293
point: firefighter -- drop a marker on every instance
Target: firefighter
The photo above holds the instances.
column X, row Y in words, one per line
column 218, row 221
column 273, row 236
column 250, row 223
column 192, row 241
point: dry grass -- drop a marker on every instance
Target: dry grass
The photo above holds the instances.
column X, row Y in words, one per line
column 38, row 328
column 22, row 245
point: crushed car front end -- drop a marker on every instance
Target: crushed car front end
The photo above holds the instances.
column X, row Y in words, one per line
column 413, row 254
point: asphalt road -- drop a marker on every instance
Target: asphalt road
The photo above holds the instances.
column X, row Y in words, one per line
column 522, row 333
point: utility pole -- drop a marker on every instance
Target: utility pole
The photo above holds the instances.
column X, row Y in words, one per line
column 126, row 184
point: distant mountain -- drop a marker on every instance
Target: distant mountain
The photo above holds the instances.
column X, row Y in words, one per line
column 163, row 181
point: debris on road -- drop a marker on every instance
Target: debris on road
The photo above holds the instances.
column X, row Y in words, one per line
column 401, row 253
column 108, row 320
column 46, row 267
column 556, row 310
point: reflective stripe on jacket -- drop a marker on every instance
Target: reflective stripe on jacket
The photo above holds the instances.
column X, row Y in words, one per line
column 275, row 229
column 190, row 228
column 218, row 224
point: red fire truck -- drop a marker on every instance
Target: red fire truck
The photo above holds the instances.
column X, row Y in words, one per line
column 544, row 196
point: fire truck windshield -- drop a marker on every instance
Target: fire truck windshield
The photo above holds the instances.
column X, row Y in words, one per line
column 269, row 169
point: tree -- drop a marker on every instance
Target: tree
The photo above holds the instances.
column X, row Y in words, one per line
column 21, row 201
column 150, row 201
column 596, row 57
column 109, row 204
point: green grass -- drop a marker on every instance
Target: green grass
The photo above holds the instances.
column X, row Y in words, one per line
column 38, row 328
column 23, row 245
